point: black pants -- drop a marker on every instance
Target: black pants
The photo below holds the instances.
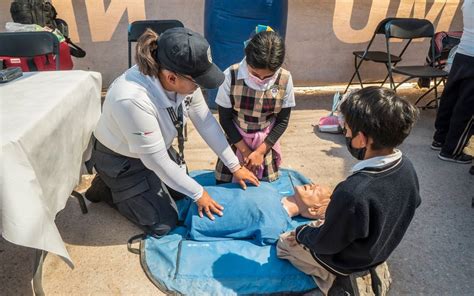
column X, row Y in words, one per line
column 137, row 192
column 454, row 121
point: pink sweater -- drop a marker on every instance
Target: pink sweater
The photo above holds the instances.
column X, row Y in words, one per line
column 253, row 140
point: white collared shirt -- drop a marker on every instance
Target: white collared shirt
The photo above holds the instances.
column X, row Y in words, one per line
column 137, row 96
column 377, row 162
column 223, row 99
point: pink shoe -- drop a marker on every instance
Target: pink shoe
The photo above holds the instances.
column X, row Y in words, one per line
column 329, row 124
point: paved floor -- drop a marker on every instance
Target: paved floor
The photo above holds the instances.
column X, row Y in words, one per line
column 435, row 258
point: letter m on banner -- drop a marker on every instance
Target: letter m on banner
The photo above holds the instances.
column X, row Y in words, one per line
column 442, row 10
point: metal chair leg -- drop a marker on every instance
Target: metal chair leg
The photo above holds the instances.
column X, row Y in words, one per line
column 402, row 82
column 81, row 201
column 422, row 96
column 385, row 80
column 435, row 100
column 350, row 82
column 353, row 75
column 40, row 255
column 357, row 72
column 390, row 76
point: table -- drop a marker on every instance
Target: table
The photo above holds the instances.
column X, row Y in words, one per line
column 47, row 119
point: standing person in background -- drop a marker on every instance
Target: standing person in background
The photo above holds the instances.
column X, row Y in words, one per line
column 144, row 110
column 254, row 104
column 455, row 117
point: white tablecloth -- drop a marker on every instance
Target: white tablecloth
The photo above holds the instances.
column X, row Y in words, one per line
column 46, row 122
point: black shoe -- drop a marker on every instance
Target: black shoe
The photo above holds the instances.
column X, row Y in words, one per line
column 461, row 158
column 436, row 145
column 471, row 171
column 98, row 191
column 342, row 286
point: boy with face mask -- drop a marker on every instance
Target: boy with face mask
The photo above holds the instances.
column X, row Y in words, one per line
column 370, row 211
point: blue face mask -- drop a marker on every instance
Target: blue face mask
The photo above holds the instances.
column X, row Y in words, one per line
column 358, row 153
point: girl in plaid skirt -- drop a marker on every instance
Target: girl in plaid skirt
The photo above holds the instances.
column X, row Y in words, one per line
column 254, row 105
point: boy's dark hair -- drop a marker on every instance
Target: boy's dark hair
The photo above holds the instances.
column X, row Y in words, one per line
column 266, row 50
column 381, row 114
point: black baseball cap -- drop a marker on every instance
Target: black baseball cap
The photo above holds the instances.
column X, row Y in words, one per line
column 186, row 52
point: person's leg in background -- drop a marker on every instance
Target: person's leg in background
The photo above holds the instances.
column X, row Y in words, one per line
column 448, row 100
column 455, row 115
column 460, row 127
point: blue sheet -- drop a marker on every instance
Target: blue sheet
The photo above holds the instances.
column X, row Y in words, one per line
column 254, row 214
column 177, row 264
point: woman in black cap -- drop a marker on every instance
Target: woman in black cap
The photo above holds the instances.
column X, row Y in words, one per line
column 144, row 110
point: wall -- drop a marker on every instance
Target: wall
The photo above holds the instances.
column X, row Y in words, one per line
column 321, row 34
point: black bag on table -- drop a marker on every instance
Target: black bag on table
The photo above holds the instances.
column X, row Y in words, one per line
column 43, row 13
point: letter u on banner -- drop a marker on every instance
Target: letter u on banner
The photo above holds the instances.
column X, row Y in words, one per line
column 342, row 20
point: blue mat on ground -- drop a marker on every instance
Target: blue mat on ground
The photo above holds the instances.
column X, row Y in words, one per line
column 176, row 264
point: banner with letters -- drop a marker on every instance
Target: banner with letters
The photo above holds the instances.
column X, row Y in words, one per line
column 321, row 34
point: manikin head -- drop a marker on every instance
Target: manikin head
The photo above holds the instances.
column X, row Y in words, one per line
column 309, row 201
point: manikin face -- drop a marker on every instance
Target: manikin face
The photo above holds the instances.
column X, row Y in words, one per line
column 312, row 200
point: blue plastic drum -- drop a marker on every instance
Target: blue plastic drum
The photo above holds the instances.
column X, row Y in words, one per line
column 227, row 24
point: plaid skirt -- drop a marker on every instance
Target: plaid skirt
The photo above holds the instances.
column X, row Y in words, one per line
column 270, row 169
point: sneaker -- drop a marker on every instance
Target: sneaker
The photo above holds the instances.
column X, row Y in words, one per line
column 461, row 158
column 436, row 145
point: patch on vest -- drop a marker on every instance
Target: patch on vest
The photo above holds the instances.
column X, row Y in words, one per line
column 274, row 90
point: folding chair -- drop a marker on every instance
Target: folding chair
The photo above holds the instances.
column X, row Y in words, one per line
column 137, row 28
column 29, row 44
column 372, row 55
column 410, row 29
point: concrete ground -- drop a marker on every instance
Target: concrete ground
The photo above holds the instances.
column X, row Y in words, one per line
column 436, row 256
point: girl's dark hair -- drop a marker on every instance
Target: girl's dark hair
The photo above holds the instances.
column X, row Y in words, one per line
column 145, row 53
column 266, row 50
column 381, row 114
